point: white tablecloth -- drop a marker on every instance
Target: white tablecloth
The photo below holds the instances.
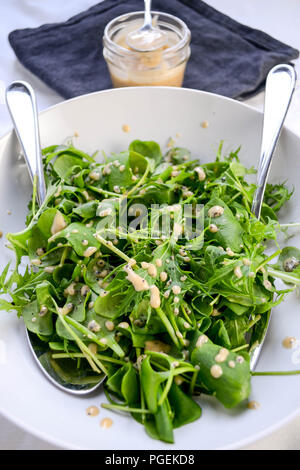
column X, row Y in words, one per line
column 277, row 18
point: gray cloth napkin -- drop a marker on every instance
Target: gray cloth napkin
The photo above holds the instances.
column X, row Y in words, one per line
column 227, row 57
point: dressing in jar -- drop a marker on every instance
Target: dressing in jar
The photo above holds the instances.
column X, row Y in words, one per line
column 162, row 67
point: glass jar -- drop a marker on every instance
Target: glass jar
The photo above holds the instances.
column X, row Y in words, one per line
column 164, row 67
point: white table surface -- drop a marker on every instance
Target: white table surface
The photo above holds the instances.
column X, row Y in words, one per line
column 277, row 18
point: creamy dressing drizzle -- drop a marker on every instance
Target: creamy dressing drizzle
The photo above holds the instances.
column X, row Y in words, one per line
column 201, row 340
column 213, row 228
column 137, row 281
column 152, row 271
column 176, row 289
column 89, row 251
column 50, row 269
column 126, row 128
column 253, row 405
column 109, row 325
column 106, row 423
column 237, row 272
column 216, row 371
column 289, row 342
column 70, row 290
column 222, row 355
column 58, row 224
column 215, row 211
column 154, row 297
column 201, row 173
column 92, row 411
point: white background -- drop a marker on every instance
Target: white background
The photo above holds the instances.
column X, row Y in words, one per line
column 277, row 18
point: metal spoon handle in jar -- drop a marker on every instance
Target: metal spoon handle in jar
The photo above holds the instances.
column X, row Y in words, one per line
column 21, row 102
column 280, row 86
column 147, row 16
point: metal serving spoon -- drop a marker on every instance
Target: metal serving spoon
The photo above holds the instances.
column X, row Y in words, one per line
column 147, row 38
column 21, row 102
column 280, row 87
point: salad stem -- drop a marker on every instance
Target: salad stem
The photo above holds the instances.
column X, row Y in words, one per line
column 90, row 357
column 125, row 408
column 281, row 372
column 193, row 382
column 78, row 355
column 289, row 278
column 140, row 182
column 102, row 191
column 112, row 247
column 168, row 325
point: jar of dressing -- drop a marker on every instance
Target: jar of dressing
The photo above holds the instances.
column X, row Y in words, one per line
column 164, row 66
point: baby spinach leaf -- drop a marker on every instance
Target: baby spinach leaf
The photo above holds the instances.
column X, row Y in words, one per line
column 233, row 385
column 79, row 237
column 138, row 163
column 144, row 319
column 178, row 155
column 130, row 386
column 109, row 306
column 45, row 222
column 63, row 333
column 120, row 176
column 229, row 234
column 87, row 210
column 150, row 150
column 186, row 410
column 36, row 323
column 163, row 421
column 65, row 164
column 151, row 381
column 114, row 383
column 219, row 334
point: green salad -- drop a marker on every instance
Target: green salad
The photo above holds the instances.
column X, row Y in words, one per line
column 164, row 313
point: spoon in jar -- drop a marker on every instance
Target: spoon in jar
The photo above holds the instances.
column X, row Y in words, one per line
column 280, row 87
column 147, row 38
column 21, row 103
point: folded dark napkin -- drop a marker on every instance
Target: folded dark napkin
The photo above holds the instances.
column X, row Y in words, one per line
column 227, row 57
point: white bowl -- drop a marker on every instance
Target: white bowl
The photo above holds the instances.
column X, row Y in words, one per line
column 26, row 397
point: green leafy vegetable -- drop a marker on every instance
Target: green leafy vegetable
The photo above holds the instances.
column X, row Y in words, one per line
column 165, row 311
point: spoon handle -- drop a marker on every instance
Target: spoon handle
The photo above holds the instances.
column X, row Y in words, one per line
column 280, row 86
column 21, row 102
column 148, row 17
